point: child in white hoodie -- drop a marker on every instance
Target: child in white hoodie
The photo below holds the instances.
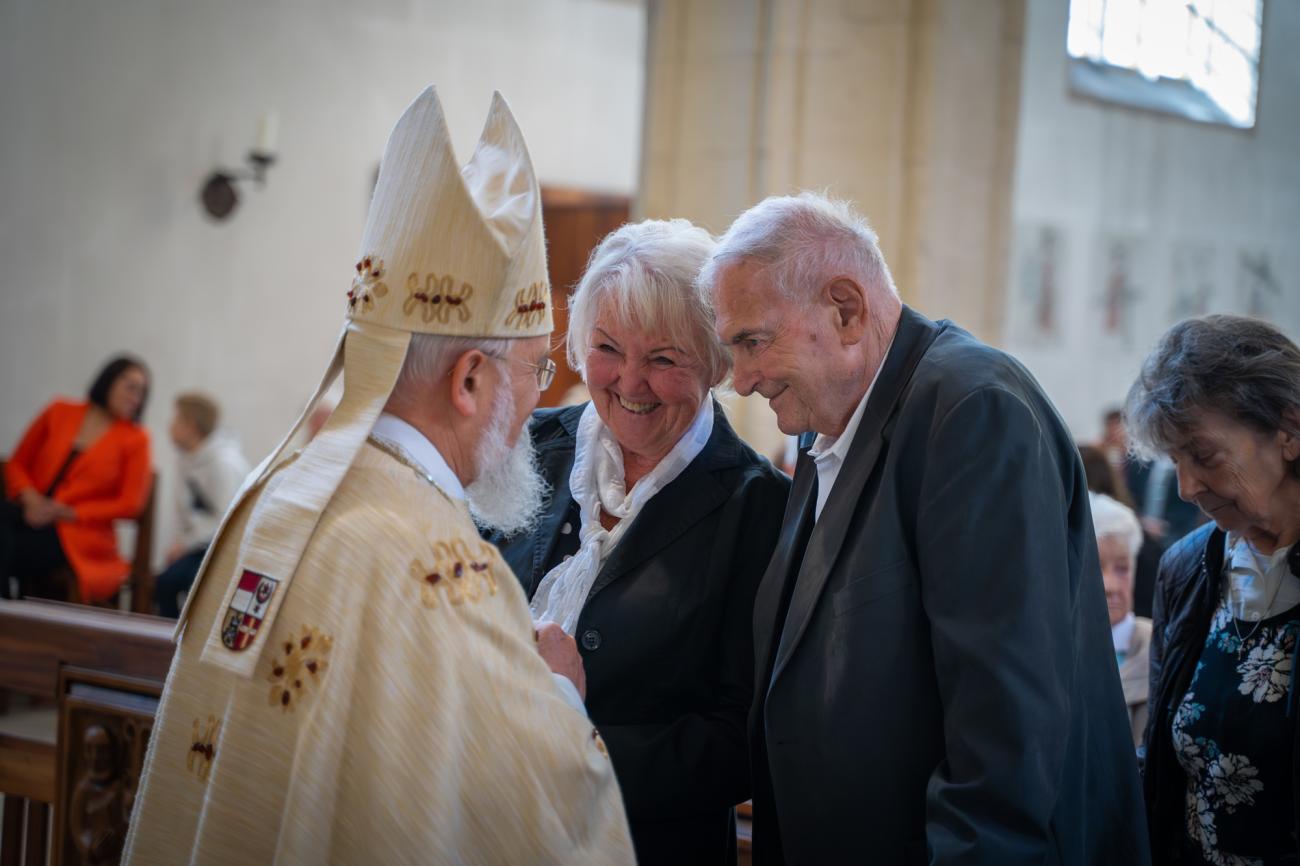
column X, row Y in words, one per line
column 211, row 469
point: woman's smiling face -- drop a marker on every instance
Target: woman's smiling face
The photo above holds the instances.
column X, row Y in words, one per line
column 645, row 388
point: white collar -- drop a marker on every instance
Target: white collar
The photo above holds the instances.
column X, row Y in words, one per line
column 396, row 433
column 1253, row 594
column 1121, row 633
column 597, row 483
column 825, row 447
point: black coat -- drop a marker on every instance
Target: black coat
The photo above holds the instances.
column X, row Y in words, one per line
column 942, row 687
column 1188, row 589
column 665, row 634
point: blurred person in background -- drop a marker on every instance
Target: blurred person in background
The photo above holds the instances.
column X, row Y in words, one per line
column 1151, row 483
column 1119, row 535
column 210, row 469
column 1104, row 477
column 79, row 466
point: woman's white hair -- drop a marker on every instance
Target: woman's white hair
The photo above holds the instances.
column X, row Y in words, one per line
column 803, row 241
column 1110, row 517
column 646, row 271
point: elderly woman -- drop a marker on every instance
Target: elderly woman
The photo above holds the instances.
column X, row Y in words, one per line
column 660, row 526
column 79, row 466
column 1104, row 477
column 1119, row 536
column 1221, row 396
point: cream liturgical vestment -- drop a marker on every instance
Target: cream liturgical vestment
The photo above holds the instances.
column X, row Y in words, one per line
column 400, row 712
column 357, row 679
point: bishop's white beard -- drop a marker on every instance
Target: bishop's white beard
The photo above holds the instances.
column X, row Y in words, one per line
column 509, row 492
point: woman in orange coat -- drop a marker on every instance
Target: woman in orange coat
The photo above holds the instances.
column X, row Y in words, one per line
column 79, row 467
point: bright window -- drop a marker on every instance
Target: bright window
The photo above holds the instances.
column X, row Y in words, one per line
column 1196, row 58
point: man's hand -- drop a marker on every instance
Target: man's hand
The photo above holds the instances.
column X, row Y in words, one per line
column 560, row 652
column 175, row 552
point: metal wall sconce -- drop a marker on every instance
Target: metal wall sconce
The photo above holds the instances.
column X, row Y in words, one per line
column 218, row 194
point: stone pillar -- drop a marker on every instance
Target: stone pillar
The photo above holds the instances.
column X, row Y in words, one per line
column 906, row 107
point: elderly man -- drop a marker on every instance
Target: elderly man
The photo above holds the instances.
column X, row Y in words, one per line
column 1119, row 536
column 358, row 680
column 935, row 680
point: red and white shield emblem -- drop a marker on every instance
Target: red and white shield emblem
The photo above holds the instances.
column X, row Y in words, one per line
column 247, row 609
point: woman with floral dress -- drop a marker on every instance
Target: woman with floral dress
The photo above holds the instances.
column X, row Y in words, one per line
column 1221, row 396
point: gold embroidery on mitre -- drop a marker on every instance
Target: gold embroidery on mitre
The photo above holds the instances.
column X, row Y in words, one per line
column 437, row 298
column 530, row 307
column 366, row 285
column 304, row 663
column 203, row 748
column 600, row 742
column 455, row 572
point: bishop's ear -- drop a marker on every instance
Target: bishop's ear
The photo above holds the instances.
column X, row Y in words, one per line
column 467, row 383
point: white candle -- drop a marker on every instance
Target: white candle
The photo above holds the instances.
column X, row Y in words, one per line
column 267, row 129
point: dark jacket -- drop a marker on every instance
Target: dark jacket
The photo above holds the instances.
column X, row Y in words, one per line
column 937, row 681
column 665, row 634
column 1188, row 589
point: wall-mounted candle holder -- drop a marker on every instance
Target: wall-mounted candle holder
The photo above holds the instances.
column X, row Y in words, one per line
column 219, row 194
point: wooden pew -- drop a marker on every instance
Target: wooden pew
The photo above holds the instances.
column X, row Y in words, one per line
column 74, row 763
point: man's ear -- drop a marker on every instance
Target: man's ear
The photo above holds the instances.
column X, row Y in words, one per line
column 466, row 383
column 849, row 301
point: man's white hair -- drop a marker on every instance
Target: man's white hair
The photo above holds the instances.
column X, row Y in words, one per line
column 1110, row 517
column 647, row 271
column 803, row 241
column 430, row 356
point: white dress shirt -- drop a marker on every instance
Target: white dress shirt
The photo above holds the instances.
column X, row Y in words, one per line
column 1121, row 635
column 399, row 435
column 828, row 452
column 1258, row 586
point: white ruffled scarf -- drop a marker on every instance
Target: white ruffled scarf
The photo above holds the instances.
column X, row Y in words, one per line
column 597, row 482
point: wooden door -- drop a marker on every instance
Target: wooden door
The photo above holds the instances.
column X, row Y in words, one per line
column 575, row 221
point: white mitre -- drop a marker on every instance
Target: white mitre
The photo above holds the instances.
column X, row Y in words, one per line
column 446, row 250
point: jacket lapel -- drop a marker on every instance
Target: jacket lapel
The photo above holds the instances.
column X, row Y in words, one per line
column 914, row 337
column 676, row 508
column 767, row 602
column 66, row 440
column 557, row 456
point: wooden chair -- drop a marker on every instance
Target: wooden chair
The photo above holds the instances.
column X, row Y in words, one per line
column 140, row 579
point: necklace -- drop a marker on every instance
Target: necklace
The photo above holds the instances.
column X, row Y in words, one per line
column 398, row 453
column 1261, row 572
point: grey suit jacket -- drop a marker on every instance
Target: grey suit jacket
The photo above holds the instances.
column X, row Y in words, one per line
column 1135, row 676
column 935, row 675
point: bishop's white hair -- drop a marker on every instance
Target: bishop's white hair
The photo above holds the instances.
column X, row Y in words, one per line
column 430, row 356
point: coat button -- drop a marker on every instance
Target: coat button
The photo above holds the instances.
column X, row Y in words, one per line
column 591, row 640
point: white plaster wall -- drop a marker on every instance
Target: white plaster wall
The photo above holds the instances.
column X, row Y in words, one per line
column 1095, row 171
column 114, row 113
